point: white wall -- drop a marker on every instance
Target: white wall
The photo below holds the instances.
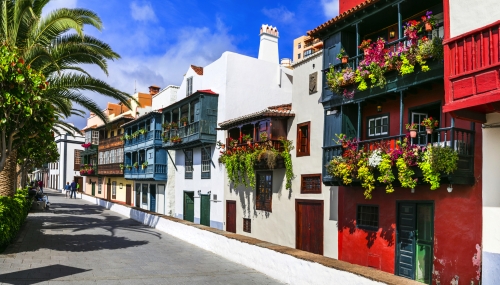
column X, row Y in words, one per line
column 68, row 144
column 165, row 97
column 467, row 15
column 491, row 202
column 282, row 267
column 197, row 83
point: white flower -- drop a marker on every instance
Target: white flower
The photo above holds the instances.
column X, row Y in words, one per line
column 375, row 158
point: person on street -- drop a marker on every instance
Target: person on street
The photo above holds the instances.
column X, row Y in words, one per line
column 73, row 190
column 67, row 188
column 40, row 184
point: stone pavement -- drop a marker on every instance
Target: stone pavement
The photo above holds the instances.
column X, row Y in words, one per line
column 76, row 242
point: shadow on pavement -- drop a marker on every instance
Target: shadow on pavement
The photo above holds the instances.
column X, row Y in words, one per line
column 41, row 274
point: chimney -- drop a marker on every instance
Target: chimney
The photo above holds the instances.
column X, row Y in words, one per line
column 268, row 49
column 153, row 89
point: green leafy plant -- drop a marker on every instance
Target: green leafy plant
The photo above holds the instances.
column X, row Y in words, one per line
column 247, row 137
column 263, row 136
column 136, row 164
column 122, row 166
column 174, row 125
column 144, row 164
column 412, row 127
column 142, row 131
column 184, row 120
column 13, row 212
column 341, row 54
column 386, row 175
column 430, row 123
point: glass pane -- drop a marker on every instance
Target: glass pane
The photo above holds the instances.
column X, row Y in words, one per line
column 423, row 263
column 145, row 194
column 424, row 225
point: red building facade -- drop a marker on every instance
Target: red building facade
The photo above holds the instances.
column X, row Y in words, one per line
column 433, row 236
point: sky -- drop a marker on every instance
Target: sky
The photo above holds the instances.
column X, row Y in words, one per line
column 158, row 39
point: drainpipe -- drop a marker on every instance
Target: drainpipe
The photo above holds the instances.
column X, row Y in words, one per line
column 65, row 158
column 359, row 121
column 400, row 22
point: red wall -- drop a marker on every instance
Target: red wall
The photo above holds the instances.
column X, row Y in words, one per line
column 457, row 215
column 345, row 5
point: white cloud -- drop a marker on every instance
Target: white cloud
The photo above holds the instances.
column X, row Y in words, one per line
column 280, row 14
column 192, row 45
column 330, row 8
column 144, row 13
column 56, row 4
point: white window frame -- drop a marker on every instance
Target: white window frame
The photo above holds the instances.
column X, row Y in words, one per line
column 205, row 160
column 88, row 136
column 375, row 133
column 95, row 137
column 189, row 86
column 101, row 158
column 417, row 118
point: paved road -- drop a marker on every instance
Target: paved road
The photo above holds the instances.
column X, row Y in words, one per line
column 76, row 242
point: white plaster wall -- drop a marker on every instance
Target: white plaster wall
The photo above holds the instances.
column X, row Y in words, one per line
column 170, row 187
column 73, row 142
column 268, row 48
column 282, row 267
column 491, row 201
column 467, row 15
column 165, row 97
column 197, row 83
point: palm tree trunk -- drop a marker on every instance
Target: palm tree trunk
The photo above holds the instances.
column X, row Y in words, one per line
column 8, row 175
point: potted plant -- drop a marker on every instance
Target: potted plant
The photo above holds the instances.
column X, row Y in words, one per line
column 144, row 164
column 166, row 126
column 121, row 166
column 221, row 145
column 365, row 45
column 342, row 56
column 174, row 125
column 247, row 138
column 129, row 166
column 263, row 136
column 175, row 139
column 233, row 143
column 429, row 21
column 142, row 131
column 136, row 164
column 429, row 124
column 413, row 129
column 184, row 121
column 127, row 137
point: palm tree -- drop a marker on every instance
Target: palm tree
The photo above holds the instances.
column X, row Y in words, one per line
column 56, row 45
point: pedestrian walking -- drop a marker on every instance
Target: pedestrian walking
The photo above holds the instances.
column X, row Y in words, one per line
column 67, row 188
column 40, row 184
column 73, row 190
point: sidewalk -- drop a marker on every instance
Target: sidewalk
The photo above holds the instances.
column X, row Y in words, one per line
column 76, row 242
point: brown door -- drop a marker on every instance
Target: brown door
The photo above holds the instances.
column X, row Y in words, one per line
column 231, row 216
column 309, row 225
column 79, row 180
column 108, row 191
column 128, row 194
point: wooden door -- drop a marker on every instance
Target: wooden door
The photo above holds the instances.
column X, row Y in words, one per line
column 108, row 191
column 79, row 180
column 93, row 188
column 138, row 195
column 128, row 194
column 309, row 225
column 231, row 216
column 205, row 210
column 189, row 206
column 415, row 235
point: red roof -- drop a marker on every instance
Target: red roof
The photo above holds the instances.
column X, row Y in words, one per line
column 341, row 16
column 197, row 69
column 209, row 91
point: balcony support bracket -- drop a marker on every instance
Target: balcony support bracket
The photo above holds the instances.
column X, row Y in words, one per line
column 172, row 160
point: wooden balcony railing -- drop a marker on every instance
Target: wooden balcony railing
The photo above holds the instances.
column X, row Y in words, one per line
column 110, row 169
column 473, row 67
column 114, row 142
column 149, row 136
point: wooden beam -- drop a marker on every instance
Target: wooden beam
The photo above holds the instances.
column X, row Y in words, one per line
column 469, row 116
column 495, row 106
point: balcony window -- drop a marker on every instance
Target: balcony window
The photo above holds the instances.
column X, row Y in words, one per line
column 206, row 160
column 367, row 216
column 101, row 158
column 188, row 164
column 88, row 137
column 378, row 126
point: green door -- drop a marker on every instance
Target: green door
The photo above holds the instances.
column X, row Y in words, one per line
column 205, row 210
column 415, row 232
column 189, row 206
column 93, row 188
